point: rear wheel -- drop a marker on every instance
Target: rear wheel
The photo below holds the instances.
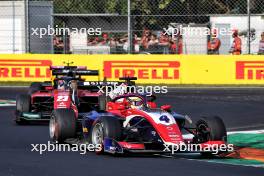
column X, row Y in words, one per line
column 23, row 104
column 62, row 125
column 102, row 102
column 105, row 127
column 34, row 87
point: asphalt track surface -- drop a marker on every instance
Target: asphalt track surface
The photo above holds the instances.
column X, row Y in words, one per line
column 240, row 108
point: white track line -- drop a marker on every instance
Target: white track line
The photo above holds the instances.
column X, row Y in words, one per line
column 247, row 126
column 247, row 132
column 217, row 87
column 13, row 86
column 7, row 105
column 189, row 136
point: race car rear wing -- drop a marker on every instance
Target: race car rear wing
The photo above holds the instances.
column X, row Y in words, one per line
column 73, row 71
column 68, row 67
column 129, row 80
column 96, row 86
column 98, row 83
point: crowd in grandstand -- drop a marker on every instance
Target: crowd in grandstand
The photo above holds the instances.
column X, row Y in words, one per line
column 147, row 42
column 158, row 43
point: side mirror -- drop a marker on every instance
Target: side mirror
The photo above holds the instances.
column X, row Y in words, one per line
column 165, row 107
column 152, row 98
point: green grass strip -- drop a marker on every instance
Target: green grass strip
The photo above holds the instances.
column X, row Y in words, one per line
column 247, row 140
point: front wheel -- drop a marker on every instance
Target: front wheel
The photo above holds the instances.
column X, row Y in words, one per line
column 210, row 129
column 105, row 127
column 97, row 136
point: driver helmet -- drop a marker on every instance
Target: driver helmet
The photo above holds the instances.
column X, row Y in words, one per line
column 118, row 91
column 135, row 102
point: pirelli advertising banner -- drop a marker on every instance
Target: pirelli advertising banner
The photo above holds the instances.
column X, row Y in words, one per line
column 150, row 69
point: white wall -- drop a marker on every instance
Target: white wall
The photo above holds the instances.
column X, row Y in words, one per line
column 241, row 23
column 12, row 27
column 195, row 42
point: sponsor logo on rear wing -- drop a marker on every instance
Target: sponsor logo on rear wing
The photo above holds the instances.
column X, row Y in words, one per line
column 98, row 83
column 68, row 67
column 76, row 72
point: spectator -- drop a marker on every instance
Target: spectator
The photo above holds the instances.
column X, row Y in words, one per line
column 164, row 42
column 105, row 39
column 89, row 41
column 180, row 45
column 145, row 38
column 94, row 41
column 153, row 40
column 237, row 43
column 58, row 45
column 136, row 43
column 153, row 44
column 176, row 45
column 261, row 45
column 124, row 41
column 173, row 46
column 164, row 39
column 113, row 42
column 214, row 43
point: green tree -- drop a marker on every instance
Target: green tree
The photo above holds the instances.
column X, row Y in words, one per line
column 90, row 6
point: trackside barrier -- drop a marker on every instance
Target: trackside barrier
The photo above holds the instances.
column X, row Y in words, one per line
column 150, row 69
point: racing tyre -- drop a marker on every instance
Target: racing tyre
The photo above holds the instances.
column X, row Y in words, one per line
column 105, row 127
column 102, row 102
column 211, row 129
column 23, row 104
column 62, row 125
column 34, row 87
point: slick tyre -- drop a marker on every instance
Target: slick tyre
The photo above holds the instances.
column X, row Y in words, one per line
column 102, row 102
column 23, row 104
column 62, row 125
column 211, row 129
column 34, row 87
column 105, row 127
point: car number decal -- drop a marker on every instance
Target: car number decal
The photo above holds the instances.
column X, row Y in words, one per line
column 62, row 98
